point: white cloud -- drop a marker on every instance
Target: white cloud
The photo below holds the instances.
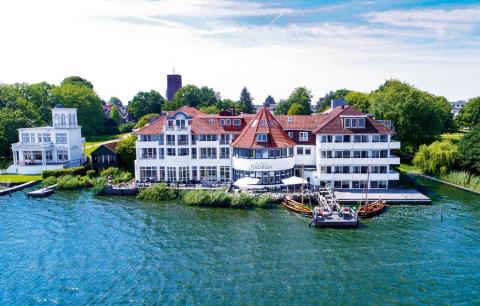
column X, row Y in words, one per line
column 56, row 38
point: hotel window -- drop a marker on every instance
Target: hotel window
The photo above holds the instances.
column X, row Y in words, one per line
column 236, row 122
column 308, row 151
column 62, row 155
column 39, row 138
column 326, row 138
column 360, row 169
column 46, row 137
column 183, row 174
column 170, row 151
column 149, row 153
column 228, row 122
column 342, row 169
column 361, row 123
column 326, row 154
column 25, row 138
column 378, row 184
column 194, row 152
column 383, row 153
column 148, row 173
column 346, row 122
column 303, row 136
column 346, row 138
column 338, row 154
column 208, row 173
column 161, row 174
column 325, row 169
column 224, row 173
column 222, row 122
column 375, row 138
column 180, row 122
column 194, row 173
column 378, row 169
column 62, row 119
column 383, row 138
column 170, row 122
column 208, row 137
column 359, row 184
column 161, row 153
column 170, row 140
column 345, row 154
column 32, row 137
column 341, row 184
column 208, row 153
column 48, row 155
column 224, row 153
column 61, row 138
column 338, row 138
column 271, row 153
column 182, row 140
column 171, row 174
column 290, row 119
column 262, row 137
column 183, row 152
column 299, row 150
column 290, row 134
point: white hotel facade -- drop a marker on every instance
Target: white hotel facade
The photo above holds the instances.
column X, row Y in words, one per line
column 341, row 147
column 49, row 147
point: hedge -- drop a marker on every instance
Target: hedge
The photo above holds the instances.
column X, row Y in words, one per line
column 82, row 170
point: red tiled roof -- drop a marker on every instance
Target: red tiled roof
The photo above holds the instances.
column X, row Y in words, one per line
column 153, row 128
column 277, row 137
column 111, row 145
column 300, row 122
column 333, row 123
column 191, row 111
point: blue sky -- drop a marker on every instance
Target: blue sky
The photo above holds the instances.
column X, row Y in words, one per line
column 124, row 46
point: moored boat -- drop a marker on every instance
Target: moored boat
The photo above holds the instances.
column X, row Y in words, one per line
column 41, row 193
column 371, row 209
column 297, row 207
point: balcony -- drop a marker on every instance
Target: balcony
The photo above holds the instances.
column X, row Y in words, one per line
column 148, row 157
column 183, row 142
column 170, row 142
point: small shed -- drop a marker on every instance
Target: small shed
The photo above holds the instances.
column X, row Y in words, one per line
column 104, row 156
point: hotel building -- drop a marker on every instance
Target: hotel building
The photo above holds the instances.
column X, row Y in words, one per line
column 49, row 147
column 341, row 147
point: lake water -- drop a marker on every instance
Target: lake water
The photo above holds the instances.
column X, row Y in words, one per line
column 74, row 249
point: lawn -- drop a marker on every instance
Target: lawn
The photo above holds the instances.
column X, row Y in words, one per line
column 454, row 137
column 408, row 167
column 94, row 142
column 14, row 178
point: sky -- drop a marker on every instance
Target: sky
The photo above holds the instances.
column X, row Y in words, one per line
column 269, row 46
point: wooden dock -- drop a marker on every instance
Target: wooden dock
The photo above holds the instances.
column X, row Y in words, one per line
column 390, row 196
column 17, row 188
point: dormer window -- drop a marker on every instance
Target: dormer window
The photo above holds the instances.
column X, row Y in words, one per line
column 211, row 121
column 236, row 122
column 347, row 122
column 354, row 123
column 222, row 122
column 262, row 123
column 262, row 137
column 361, row 123
column 290, row 119
column 228, row 122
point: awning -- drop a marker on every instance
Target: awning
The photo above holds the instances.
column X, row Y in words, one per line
column 246, row 181
column 294, row 180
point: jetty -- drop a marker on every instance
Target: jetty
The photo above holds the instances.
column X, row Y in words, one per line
column 17, row 188
column 390, row 196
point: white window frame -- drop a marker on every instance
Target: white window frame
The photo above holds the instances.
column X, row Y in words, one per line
column 262, row 138
column 303, row 136
column 237, row 122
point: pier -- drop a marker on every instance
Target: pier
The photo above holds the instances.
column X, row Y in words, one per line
column 17, row 188
column 390, row 196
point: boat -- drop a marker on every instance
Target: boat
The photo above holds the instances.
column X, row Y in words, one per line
column 41, row 193
column 371, row 209
column 297, row 207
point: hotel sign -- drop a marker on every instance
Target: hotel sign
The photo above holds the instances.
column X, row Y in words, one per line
column 260, row 166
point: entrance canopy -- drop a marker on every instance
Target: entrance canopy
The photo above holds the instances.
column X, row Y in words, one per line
column 246, row 181
column 294, row 180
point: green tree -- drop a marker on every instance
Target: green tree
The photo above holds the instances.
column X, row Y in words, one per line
column 115, row 101
column 39, row 95
column 246, row 102
column 444, row 110
column 296, row 109
column 89, row 106
column 76, row 80
column 189, row 95
column 10, row 121
column 469, row 150
column 283, row 107
column 412, row 112
column 469, row 115
column 115, row 114
column 325, row 102
column 437, row 158
column 126, row 153
column 145, row 103
column 359, row 100
column 268, row 101
column 225, row 104
column 302, row 96
column 145, row 120
column 211, row 109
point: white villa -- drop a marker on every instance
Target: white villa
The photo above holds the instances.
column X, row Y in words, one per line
column 49, row 147
column 342, row 147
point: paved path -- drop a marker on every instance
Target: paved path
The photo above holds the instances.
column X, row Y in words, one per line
column 108, row 141
column 391, row 196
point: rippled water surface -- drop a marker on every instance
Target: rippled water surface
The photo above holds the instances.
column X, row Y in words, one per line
column 72, row 248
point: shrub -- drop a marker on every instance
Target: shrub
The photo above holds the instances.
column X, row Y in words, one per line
column 91, row 173
column 437, row 158
column 209, row 198
column 469, row 151
column 68, row 171
column 158, row 192
column 264, row 201
column 70, row 182
column 118, row 175
column 49, row 181
column 243, row 200
column 126, row 127
column 463, row 178
column 98, row 185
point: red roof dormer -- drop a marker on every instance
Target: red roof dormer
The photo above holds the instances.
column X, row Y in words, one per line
column 252, row 136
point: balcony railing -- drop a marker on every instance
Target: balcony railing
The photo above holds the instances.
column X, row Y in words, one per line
column 170, row 142
column 148, row 157
column 183, row 142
